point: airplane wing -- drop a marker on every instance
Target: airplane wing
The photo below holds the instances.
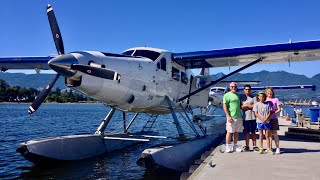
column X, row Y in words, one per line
column 31, row 62
column 297, row 87
column 274, row 53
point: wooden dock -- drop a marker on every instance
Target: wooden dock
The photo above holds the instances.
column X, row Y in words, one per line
column 300, row 159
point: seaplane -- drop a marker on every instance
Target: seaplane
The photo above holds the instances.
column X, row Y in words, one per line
column 216, row 93
column 140, row 80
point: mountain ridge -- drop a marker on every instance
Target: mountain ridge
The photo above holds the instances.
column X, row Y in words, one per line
column 267, row 78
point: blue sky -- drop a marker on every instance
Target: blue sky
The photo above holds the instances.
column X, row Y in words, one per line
column 179, row 26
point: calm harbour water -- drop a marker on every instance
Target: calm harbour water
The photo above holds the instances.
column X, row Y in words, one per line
column 17, row 126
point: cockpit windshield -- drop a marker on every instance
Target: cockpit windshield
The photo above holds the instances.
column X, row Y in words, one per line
column 143, row 53
column 128, row 53
column 217, row 89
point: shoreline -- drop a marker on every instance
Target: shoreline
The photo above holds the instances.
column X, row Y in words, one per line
column 51, row 103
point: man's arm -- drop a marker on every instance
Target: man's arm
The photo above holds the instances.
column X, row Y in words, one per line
column 225, row 108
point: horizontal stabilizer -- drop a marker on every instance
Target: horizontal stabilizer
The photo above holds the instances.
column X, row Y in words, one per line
column 289, row 87
column 238, row 82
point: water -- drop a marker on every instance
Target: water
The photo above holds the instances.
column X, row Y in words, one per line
column 17, row 126
column 289, row 110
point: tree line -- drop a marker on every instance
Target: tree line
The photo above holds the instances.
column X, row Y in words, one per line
column 19, row 94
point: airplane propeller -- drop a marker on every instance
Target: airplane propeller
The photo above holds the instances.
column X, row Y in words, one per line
column 55, row 30
column 60, row 49
column 39, row 99
column 95, row 71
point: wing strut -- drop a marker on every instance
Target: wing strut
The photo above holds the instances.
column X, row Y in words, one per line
column 220, row 79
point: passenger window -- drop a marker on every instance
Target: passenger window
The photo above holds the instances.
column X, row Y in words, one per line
column 175, row 74
column 201, row 82
column 184, row 78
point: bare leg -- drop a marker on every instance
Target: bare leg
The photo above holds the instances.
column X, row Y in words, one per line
column 268, row 138
column 247, row 137
column 261, row 138
column 236, row 137
column 254, row 139
column 228, row 138
column 276, row 138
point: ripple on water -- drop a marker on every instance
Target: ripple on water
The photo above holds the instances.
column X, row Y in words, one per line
column 17, row 126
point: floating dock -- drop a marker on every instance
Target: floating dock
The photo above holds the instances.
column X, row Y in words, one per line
column 299, row 159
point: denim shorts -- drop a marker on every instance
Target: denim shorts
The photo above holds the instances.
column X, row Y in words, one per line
column 262, row 126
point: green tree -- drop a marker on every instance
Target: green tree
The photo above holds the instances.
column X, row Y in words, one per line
column 16, row 93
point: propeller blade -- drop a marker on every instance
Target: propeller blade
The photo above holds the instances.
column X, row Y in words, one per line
column 96, row 71
column 55, row 30
column 39, row 99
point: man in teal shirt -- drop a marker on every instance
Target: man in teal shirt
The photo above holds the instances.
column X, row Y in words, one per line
column 234, row 124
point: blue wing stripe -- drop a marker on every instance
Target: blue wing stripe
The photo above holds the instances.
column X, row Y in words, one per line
column 35, row 59
column 305, row 45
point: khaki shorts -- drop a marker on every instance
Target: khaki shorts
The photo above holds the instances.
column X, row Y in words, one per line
column 235, row 126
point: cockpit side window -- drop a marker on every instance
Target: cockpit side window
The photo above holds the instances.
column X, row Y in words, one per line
column 146, row 53
column 162, row 64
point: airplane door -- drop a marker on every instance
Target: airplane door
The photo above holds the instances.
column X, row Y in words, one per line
column 200, row 99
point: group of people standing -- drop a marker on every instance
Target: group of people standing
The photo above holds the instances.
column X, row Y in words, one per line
column 249, row 114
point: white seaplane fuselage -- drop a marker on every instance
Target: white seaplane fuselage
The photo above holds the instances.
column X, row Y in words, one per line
column 137, row 81
column 143, row 82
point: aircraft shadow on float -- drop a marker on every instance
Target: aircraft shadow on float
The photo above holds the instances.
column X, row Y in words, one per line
column 140, row 80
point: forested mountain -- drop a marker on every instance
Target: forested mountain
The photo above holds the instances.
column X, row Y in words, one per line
column 280, row 78
column 36, row 81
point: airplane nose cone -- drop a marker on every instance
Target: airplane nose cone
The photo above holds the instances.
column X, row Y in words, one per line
column 62, row 64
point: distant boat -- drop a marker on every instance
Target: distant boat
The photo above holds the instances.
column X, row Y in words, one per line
column 314, row 103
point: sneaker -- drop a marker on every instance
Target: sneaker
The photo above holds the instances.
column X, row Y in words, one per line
column 278, row 151
column 255, row 149
column 245, row 148
column 260, row 151
column 269, row 151
column 238, row 149
column 228, row 150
